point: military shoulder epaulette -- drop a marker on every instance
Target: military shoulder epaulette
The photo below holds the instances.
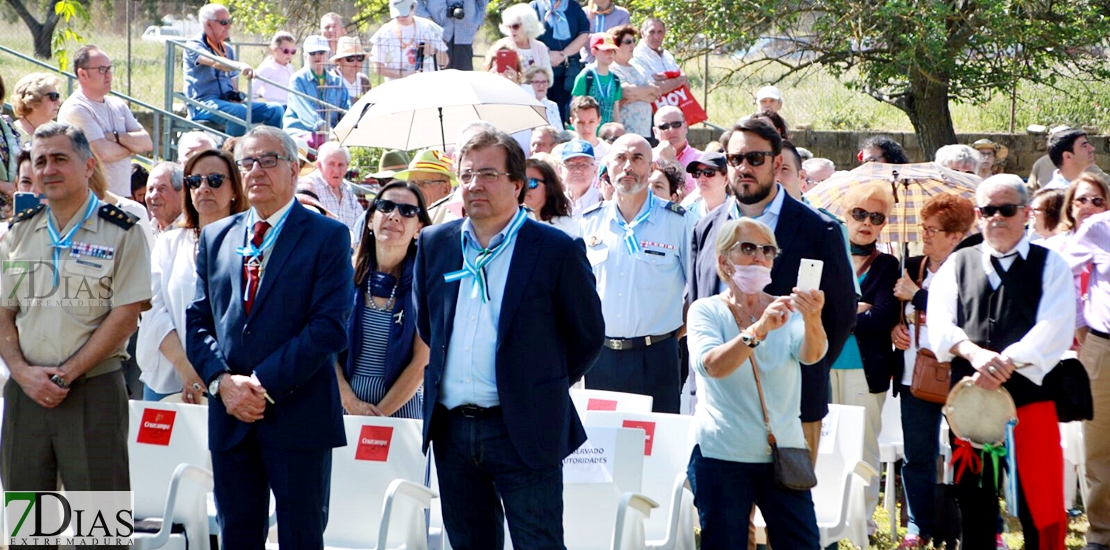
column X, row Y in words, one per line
column 594, row 208
column 676, row 208
column 27, row 214
column 118, row 216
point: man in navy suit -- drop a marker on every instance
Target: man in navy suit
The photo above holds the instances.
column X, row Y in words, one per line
column 273, row 294
column 508, row 308
column 754, row 157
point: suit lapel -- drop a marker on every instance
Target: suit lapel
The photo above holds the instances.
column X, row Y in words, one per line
column 708, row 252
column 286, row 242
column 235, row 237
column 789, row 219
column 450, row 260
column 525, row 255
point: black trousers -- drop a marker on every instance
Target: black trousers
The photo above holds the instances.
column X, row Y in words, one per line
column 980, row 512
column 652, row 370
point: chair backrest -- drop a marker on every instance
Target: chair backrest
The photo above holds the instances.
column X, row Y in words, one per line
column 845, row 425
column 600, row 400
column 590, row 507
column 379, row 450
column 892, row 420
column 666, row 455
column 159, row 437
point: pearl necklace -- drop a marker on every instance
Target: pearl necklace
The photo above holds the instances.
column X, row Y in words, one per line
column 388, row 303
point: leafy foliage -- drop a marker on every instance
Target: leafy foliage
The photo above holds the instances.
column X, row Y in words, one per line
column 65, row 37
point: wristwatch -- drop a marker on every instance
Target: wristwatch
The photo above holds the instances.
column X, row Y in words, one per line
column 750, row 339
column 214, row 385
column 59, row 381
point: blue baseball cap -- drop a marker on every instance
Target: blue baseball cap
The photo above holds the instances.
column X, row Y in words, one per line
column 577, row 148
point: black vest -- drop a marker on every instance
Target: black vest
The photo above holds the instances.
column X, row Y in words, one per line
column 994, row 319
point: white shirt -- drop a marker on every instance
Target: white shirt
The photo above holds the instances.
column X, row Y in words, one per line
column 394, row 45
column 651, row 62
column 99, row 119
column 173, row 284
column 1043, row 346
column 578, row 207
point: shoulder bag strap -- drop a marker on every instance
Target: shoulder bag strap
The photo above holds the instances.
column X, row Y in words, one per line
column 917, row 314
column 867, row 263
column 755, row 371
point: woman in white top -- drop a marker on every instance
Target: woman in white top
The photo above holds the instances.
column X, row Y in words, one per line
column 215, row 191
column 278, row 67
column 947, row 219
column 730, row 334
column 546, row 198
column 638, row 88
column 539, row 80
column 521, row 27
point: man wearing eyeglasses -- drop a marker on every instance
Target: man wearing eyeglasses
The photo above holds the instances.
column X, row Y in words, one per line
column 215, row 83
column 579, row 174
column 1003, row 312
column 754, row 157
column 314, row 120
column 431, row 171
column 638, row 246
column 273, row 297
column 107, row 122
column 670, row 127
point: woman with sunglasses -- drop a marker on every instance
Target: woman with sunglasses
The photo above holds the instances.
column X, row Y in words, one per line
column 730, row 336
column 348, row 59
column 214, row 191
column 36, row 102
column 386, row 358
column 860, row 376
column 278, row 67
column 946, row 219
column 546, row 197
column 521, row 28
column 638, row 89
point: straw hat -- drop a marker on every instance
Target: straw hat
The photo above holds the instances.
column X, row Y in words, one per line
column 1000, row 151
column 346, row 47
column 430, row 161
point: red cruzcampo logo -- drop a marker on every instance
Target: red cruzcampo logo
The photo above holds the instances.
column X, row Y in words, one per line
column 601, row 404
column 156, row 427
column 649, row 431
column 373, row 443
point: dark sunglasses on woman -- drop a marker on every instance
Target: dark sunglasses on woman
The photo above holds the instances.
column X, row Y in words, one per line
column 859, row 214
column 386, row 206
column 214, row 180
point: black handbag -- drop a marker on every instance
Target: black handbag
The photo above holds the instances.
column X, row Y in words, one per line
column 793, row 467
column 1071, row 390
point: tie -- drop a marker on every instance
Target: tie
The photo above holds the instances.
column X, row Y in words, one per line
column 252, row 265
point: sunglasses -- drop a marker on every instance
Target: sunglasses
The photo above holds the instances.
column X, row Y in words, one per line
column 749, row 249
column 515, row 26
column 535, row 182
column 627, row 42
column 1097, row 202
column 754, row 158
column 705, row 172
column 214, row 180
column 671, row 125
column 314, row 54
column 287, row 51
column 55, row 96
column 355, row 58
column 386, row 206
column 859, row 214
column 1007, row 210
column 223, row 22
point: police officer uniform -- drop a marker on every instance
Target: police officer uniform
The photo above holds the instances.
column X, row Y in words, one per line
column 641, row 298
column 60, row 300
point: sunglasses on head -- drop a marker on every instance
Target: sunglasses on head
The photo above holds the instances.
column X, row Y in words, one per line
column 705, row 172
column 52, row 96
column 859, row 214
column 754, row 158
column 214, row 180
column 749, row 249
column 355, row 58
column 386, row 206
column 534, row 182
column 1097, row 202
column 1007, row 210
column 671, row 125
column 287, row 51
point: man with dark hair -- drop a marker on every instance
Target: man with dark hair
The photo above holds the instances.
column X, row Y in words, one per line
column 882, row 149
column 65, row 408
column 791, row 175
column 1071, row 153
column 510, row 329
column 754, row 154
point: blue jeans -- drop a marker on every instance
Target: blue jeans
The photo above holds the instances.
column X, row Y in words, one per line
column 921, row 429
column 478, row 471
column 269, row 114
column 724, row 492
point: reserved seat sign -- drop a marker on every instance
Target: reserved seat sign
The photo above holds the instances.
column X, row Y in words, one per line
column 595, row 404
column 156, row 426
column 373, row 443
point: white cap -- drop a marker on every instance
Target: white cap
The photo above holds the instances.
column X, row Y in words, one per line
column 768, row 92
column 316, row 43
column 400, row 8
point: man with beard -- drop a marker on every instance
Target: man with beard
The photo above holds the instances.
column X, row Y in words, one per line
column 637, row 245
column 754, row 154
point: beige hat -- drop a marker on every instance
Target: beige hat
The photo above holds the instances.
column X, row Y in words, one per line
column 347, row 46
column 1000, row 151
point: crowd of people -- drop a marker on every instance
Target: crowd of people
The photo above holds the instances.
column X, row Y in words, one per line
column 603, row 250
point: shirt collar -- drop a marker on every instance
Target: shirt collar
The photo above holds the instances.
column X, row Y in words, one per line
column 276, row 216
column 775, row 208
column 90, row 224
column 1022, row 249
column 614, row 212
column 468, row 233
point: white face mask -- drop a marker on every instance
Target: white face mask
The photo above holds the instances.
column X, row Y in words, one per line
column 751, row 278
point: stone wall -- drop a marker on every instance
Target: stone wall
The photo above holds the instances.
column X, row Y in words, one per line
column 842, row 146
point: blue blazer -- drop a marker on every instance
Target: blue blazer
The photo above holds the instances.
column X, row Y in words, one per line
column 291, row 336
column 802, row 232
column 549, row 334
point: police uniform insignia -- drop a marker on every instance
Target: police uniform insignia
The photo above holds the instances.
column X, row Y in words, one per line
column 674, row 207
column 86, row 250
column 116, row 216
column 594, row 208
column 27, row 213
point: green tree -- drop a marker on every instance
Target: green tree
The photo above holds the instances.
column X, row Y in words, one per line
column 916, row 55
column 44, row 28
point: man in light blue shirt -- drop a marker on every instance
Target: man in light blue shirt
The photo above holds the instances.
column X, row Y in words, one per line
column 304, row 117
column 637, row 245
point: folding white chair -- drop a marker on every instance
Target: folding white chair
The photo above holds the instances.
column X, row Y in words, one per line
column 378, row 498
column 1075, row 462
column 891, row 450
column 600, row 400
column 167, row 446
column 666, row 456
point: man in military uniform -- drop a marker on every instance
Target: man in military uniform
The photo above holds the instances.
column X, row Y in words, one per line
column 75, row 276
column 637, row 245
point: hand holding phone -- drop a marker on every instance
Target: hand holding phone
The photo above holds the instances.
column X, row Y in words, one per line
column 809, row 274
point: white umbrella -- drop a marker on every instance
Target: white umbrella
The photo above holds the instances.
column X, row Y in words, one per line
column 424, row 109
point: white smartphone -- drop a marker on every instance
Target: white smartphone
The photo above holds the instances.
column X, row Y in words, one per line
column 809, row 274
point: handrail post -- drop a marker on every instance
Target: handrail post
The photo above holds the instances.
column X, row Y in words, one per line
column 170, row 59
column 249, row 101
